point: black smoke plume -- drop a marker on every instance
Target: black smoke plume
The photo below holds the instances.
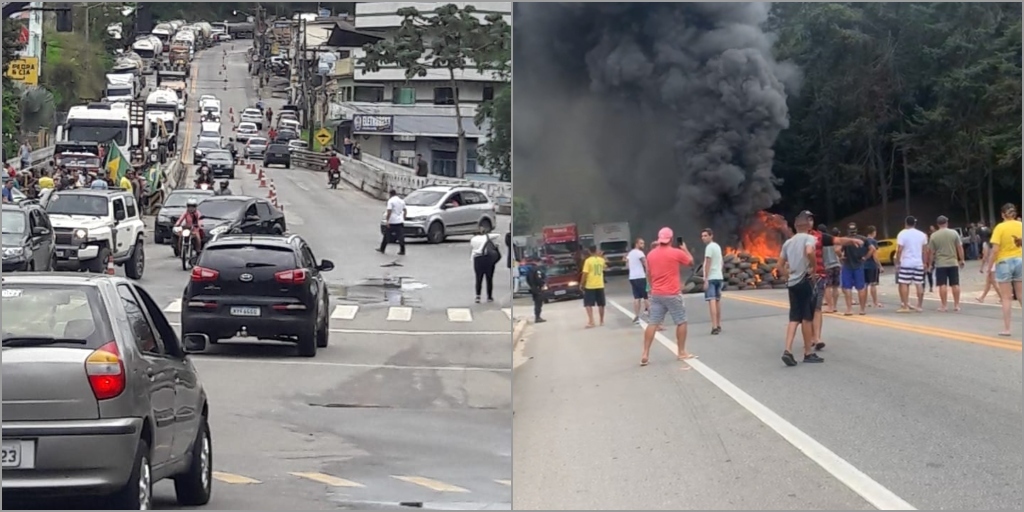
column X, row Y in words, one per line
column 659, row 114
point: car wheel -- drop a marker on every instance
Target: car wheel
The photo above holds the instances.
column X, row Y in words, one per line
column 277, row 229
column 323, row 335
column 486, row 225
column 435, row 234
column 288, row 165
column 194, row 487
column 137, row 264
column 307, row 342
column 137, row 494
column 157, row 239
column 98, row 265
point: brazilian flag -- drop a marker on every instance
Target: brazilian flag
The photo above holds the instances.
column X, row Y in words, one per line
column 117, row 165
column 153, row 178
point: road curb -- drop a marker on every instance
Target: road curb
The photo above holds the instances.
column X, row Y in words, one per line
column 517, row 332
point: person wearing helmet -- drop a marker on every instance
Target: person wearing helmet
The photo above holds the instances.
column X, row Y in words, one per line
column 223, row 190
column 191, row 220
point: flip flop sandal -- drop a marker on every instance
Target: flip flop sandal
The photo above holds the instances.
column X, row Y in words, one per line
column 1006, row 334
column 644, row 362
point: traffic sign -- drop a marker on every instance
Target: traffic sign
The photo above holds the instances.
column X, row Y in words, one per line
column 25, row 70
column 323, row 136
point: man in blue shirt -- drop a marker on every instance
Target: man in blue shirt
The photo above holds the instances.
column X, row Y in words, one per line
column 8, row 195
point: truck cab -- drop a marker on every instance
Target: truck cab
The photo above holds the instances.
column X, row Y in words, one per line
column 120, row 123
column 121, row 87
column 612, row 239
column 562, row 244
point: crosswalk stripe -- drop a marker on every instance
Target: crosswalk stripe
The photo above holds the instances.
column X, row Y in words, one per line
column 230, row 478
column 460, row 315
column 325, row 479
column 173, row 307
column 399, row 314
column 506, row 483
column 344, row 312
column 433, row 485
column 508, row 312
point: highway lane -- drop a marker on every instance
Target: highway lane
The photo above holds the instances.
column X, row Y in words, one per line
column 411, row 400
column 921, row 409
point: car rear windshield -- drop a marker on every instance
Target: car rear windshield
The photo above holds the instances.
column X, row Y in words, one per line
column 278, row 147
column 257, row 141
column 247, row 256
column 62, row 315
column 181, row 198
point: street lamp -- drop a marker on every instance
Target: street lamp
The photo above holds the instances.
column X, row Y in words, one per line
column 88, row 8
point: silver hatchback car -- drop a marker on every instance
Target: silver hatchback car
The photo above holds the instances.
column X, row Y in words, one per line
column 99, row 396
column 437, row 212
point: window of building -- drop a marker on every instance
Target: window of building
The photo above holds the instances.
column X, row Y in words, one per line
column 444, row 96
column 369, row 94
column 403, row 95
column 488, row 93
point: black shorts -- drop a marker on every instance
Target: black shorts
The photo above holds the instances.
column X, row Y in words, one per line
column 801, row 302
column 871, row 276
column 639, row 287
column 947, row 276
column 593, row 298
column 833, row 277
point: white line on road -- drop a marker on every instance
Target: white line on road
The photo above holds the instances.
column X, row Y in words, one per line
column 429, row 483
column 173, row 307
column 300, row 185
column 858, row 482
column 344, row 312
column 404, row 333
column 332, row 481
column 399, row 314
column 285, row 362
column 460, row 315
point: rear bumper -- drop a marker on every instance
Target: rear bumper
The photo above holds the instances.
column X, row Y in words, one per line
column 72, row 457
column 277, row 161
column 272, row 325
column 226, row 173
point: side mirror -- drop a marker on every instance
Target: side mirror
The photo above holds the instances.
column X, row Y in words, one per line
column 252, row 218
column 445, row 206
column 40, row 231
column 194, row 342
column 119, row 215
column 325, row 266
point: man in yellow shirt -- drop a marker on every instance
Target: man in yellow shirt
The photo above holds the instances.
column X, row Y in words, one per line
column 45, row 181
column 592, row 285
column 1006, row 253
column 126, row 184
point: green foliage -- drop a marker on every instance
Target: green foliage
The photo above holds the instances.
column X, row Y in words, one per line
column 496, row 154
column 449, row 38
column 74, row 69
column 522, row 217
column 221, row 11
column 11, row 110
column 925, row 93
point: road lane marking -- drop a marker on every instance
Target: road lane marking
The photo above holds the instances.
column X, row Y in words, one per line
column 233, row 479
column 332, row 481
column 173, row 307
column 403, row 333
column 399, row 314
column 344, row 312
column 460, row 315
column 508, row 312
column 286, row 362
column 433, row 485
column 855, row 479
column 506, row 483
column 949, row 334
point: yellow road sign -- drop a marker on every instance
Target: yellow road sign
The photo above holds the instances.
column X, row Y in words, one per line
column 323, row 136
column 24, row 70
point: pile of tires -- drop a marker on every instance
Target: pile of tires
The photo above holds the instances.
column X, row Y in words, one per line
column 743, row 271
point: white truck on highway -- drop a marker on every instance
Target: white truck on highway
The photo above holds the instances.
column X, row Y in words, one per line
column 120, row 123
column 165, row 100
column 150, row 49
column 613, row 240
column 164, row 32
column 121, row 87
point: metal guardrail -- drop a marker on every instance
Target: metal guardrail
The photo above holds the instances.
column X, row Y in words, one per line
column 39, row 158
column 313, row 160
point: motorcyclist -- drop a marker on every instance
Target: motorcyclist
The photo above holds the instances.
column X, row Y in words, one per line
column 333, row 167
column 203, row 175
column 223, row 190
column 190, row 220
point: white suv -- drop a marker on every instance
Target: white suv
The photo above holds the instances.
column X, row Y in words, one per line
column 92, row 226
column 438, row 212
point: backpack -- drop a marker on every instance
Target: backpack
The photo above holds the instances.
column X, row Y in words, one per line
column 536, row 278
column 491, row 251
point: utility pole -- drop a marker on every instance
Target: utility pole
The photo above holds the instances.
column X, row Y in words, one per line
column 308, row 114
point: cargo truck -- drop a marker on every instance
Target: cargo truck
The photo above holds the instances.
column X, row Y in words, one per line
column 612, row 239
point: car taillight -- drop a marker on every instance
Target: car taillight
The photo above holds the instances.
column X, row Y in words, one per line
column 204, row 275
column 106, row 372
column 291, row 277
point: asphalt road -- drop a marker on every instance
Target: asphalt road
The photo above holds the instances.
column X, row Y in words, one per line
column 919, row 410
column 410, row 402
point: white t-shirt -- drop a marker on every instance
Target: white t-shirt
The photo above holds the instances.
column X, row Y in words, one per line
column 397, row 207
column 714, row 269
column 477, row 243
column 635, row 259
column 912, row 242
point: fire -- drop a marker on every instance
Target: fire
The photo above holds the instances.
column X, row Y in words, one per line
column 760, row 240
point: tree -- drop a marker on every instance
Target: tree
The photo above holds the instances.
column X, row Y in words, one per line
column 11, row 94
column 451, row 39
column 522, row 217
column 496, row 154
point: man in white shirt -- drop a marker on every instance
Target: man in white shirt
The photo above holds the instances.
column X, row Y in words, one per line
column 911, row 260
column 714, row 279
column 637, row 264
column 395, row 231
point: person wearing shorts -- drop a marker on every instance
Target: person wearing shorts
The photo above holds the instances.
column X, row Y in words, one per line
column 911, row 262
column 714, row 278
column 833, row 276
column 872, row 267
column 592, row 283
column 853, row 277
column 663, row 264
column 797, row 261
column 946, row 252
column 1006, row 246
column 636, row 261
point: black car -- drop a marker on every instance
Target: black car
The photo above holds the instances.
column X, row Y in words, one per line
column 174, row 206
column 222, row 164
column 278, row 154
column 205, row 146
column 222, row 215
column 262, row 286
column 284, row 135
column 28, row 238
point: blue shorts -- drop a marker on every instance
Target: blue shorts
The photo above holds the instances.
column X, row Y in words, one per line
column 1009, row 271
column 853, row 278
column 714, row 291
column 665, row 305
column 639, row 287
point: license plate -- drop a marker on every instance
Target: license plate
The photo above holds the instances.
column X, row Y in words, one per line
column 60, row 254
column 13, row 453
column 245, row 311
column 560, row 292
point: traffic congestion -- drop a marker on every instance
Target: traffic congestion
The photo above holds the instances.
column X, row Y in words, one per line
column 225, row 335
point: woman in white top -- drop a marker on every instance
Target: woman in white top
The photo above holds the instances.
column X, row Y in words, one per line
column 485, row 256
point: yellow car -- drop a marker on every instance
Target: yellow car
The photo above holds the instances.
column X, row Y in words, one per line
column 887, row 251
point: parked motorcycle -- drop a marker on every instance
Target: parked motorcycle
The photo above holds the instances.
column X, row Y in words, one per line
column 184, row 248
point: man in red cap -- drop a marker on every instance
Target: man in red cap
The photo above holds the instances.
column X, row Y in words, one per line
column 663, row 264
